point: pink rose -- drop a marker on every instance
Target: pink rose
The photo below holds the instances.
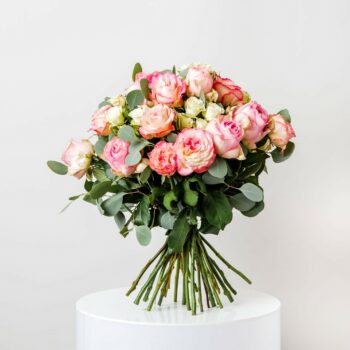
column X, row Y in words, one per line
column 229, row 93
column 195, row 151
column 115, row 153
column 198, row 79
column 99, row 122
column 77, row 156
column 227, row 135
column 167, row 88
column 157, row 122
column 253, row 119
column 162, row 159
column 280, row 131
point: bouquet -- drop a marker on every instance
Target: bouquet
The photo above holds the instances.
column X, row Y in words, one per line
column 179, row 149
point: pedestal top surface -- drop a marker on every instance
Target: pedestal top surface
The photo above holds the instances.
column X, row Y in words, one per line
column 112, row 305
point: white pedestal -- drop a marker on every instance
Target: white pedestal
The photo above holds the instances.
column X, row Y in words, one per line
column 108, row 320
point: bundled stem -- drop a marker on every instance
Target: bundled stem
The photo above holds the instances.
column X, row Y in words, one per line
column 199, row 271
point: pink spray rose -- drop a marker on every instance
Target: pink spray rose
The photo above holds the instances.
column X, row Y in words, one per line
column 167, row 88
column 115, row 153
column 157, row 122
column 99, row 122
column 77, row 156
column 280, row 131
column 229, row 93
column 227, row 135
column 162, row 159
column 195, row 151
column 253, row 119
column 198, row 79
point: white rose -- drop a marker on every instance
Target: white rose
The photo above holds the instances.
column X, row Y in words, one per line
column 213, row 111
column 201, row 123
column 137, row 114
column 119, row 100
column 194, row 106
column 115, row 116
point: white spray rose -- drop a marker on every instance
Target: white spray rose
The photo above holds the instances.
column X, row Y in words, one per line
column 137, row 114
column 119, row 100
column 213, row 111
column 194, row 106
column 115, row 116
column 201, row 123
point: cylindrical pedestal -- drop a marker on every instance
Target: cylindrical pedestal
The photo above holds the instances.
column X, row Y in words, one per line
column 108, row 320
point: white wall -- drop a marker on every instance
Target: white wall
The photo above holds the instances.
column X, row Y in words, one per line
column 59, row 58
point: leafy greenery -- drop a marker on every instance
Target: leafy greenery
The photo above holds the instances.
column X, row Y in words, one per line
column 137, row 69
column 252, row 192
column 134, row 98
column 217, row 209
column 178, row 234
column 279, row 155
column 143, row 234
column 57, row 167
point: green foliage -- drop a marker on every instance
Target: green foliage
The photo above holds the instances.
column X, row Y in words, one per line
column 127, row 133
column 259, row 207
column 100, row 144
column 57, row 167
column 142, row 216
column 218, row 168
column 169, row 201
column 145, row 88
column 100, row 189
column 134, row 98
column 240, row 202
column 119, row 219
column 112, row 205
column 143, row 234
column 252, row 192
column 217, row 209
column 137, row 69
column 279, row 155
column 145, row 175
column 167, row 220
column 134, row 155
column 178, row 234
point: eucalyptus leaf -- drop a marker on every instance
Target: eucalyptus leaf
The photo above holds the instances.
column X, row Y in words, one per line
column 279, row 155
column 240, row 202
column 145, row 88
column 99, row 189
column 211, row 180
column 144, row 176
column 134, row 98
column 133, row 158
column 112, row 205
column 137, row 69
column 99, row 174
column 143, row 234
column 119, row 219
column 252, row 192
column 259, row 207
column 219, row 168
column 57, row 167
column 143, row 215
column 100, row 145
column 167, row 221
column 126, row 133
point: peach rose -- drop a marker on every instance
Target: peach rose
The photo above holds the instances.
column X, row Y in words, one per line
column 115, row 153
column 167, row 88
column 195, row 151
column 227, row 136
column 253, row 119
column 280, row 131
column 77, row 156
column 162, row 159
column 157, row 122
column 198, row 79
column 99, row 122
column 229, row 93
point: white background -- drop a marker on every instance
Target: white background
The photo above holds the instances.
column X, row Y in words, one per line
column 60, row 58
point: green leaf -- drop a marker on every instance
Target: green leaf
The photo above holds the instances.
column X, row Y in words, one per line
column 259, row 207
column 133, row 157
column 279, row 156
column 143, row 215
column 100, row 145
column 57, row 167
column 104, row 103
column 207, row 228
column 285, row 114
column 100, row 189
column 144, row 176
column 99, row 174
column 219, row 168
column 167, row 220
column 134, row 98
column 137, row 69
column 168, row 201
column 112, row 205
column 250, row 170
column 145, row 88
column 252, row 192
column 211, row 180
column 190, row 197
column 126, row 133
column 143, row 234
column 71, row 200
column 178, row 235
column 171, row 137
column 217, row 209
column 174, row 69
column 119, row 219
column 241, row 202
